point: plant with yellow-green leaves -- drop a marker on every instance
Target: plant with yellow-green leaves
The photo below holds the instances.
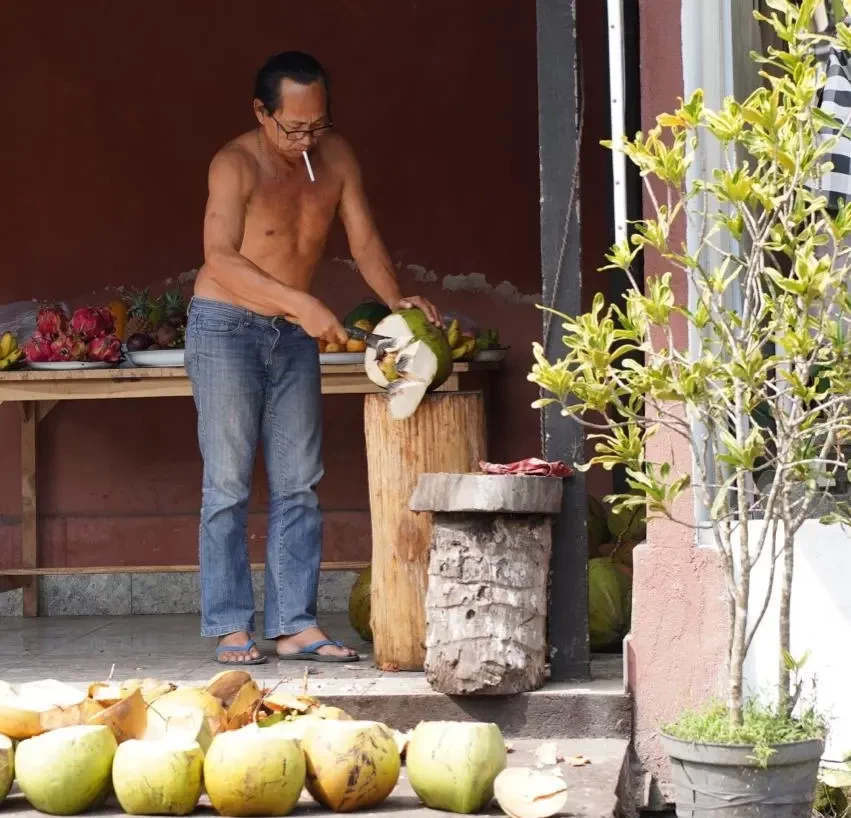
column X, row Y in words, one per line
column 763, row 396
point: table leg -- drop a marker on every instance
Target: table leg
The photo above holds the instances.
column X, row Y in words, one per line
column 29, row 503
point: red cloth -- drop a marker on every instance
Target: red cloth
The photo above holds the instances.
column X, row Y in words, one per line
column 531, row 465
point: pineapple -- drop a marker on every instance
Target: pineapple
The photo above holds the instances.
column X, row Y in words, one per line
column 174, row 307
column 139, row 309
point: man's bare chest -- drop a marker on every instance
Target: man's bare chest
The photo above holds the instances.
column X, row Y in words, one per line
column 292, row 207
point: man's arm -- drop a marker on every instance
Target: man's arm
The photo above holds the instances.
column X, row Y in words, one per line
column 367, row 248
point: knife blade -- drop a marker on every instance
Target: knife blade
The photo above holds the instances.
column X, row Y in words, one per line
column 380, row 343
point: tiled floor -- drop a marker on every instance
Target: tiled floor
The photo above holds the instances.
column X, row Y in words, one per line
column 80, row 649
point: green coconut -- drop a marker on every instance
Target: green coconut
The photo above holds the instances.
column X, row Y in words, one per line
column 419, row 363
column 368, row 310
column 609, row 603
column 158, row 777
column 66, row 771
column 360, row 604
column 7, row 766
column 598, row 529
column 628, row 524
column 254, row 772
column 452, row 765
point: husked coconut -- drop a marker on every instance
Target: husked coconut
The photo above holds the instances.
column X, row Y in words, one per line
column 254, row 772
column 419, row 361
column 523, row 792
column 177, row 701
column 36, row 707
column 188, row 724
column 452, row 765
column 7, row 766
column 158, row 777
column 351, row 765
column 66, row 771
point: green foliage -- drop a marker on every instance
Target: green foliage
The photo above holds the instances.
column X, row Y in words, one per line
column 762, row 728
column 763, row 396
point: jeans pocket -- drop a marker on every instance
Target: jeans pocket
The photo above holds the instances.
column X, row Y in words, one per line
column 218, row 324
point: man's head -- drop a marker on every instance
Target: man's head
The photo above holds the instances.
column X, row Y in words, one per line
column 291, row 99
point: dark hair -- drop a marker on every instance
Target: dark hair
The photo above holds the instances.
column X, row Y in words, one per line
column 291, row 65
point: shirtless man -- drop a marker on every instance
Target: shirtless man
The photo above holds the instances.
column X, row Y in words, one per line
column 253, row 360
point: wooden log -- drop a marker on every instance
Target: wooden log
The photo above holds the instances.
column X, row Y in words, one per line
column 486, row 605
column 446, row 433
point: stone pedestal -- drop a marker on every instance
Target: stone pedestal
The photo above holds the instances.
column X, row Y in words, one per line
column 486, row 603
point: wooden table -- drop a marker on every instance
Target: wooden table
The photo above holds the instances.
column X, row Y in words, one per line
column 38, row 391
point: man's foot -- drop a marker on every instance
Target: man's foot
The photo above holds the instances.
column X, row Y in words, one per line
column 304, row 645
column 238, row 648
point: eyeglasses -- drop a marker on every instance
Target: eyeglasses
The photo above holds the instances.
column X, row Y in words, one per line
column 295, row 136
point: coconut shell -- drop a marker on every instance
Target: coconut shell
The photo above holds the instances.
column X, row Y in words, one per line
column 7, row 766
column 127, row 718
column 523, row 792
column 37, row 707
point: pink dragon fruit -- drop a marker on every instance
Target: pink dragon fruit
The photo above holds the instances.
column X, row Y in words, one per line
column 37, row 349
column 105, row 348
column 51, row 320
column 68, row 347
column 87, row 322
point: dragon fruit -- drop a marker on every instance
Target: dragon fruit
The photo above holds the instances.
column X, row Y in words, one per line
column 37, row 349
column 88, row 323
column 51, row 320
column 68, row 348
column 105, row 348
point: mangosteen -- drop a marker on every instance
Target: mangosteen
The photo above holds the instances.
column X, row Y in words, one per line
column 138, row 342
column 154, row 347
column 166, row 335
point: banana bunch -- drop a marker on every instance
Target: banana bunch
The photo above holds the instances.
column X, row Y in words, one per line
column 463, row 347
column 10, row 352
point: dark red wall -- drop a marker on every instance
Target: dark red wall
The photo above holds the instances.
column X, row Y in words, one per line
column 111, row 113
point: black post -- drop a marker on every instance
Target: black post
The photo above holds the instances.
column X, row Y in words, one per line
column 562, row 439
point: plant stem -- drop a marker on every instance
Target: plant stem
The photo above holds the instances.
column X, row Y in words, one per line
column 784, row 699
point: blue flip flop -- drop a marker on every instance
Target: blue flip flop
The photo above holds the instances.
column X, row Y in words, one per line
column 238, row 649
column 310, row 653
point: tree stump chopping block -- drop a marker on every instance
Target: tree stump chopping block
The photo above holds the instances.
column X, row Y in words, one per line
column 446, row 433
column 486, row 604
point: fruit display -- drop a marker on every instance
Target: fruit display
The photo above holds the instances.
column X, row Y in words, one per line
column 369, row 311
column 418, row 366
column 11, row 355
column 155, row 323
column 88, row 334
column 256, row 751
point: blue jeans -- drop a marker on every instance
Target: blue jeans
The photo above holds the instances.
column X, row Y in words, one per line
column 255, row 377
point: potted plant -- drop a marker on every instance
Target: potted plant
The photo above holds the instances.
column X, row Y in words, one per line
column 762, row 397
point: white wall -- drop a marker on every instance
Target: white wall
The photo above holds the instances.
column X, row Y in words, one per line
column 820, row 623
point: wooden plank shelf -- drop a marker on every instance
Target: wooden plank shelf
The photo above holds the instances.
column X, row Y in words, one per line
column 38, row 392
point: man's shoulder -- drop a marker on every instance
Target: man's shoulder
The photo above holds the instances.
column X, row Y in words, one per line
column 339, row 152
column 238, row 155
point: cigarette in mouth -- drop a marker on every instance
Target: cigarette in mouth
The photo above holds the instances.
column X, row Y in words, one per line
column 309, row 166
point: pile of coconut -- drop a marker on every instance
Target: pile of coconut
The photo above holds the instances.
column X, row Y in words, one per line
column 156, row 748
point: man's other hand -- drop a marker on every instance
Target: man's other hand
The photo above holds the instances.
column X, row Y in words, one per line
column 418, row 302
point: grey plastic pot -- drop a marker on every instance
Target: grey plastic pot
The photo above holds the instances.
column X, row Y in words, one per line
column 720, row 781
